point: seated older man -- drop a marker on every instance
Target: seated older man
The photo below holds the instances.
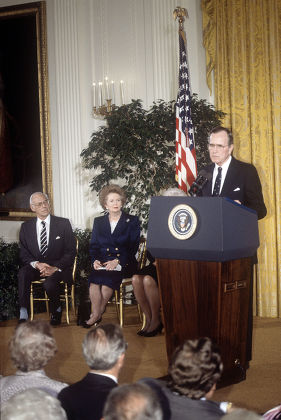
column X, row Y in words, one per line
column 104, row 351
column 31, row 347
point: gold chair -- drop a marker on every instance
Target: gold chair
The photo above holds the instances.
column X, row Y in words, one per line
column 67, row 295
column 122, row 294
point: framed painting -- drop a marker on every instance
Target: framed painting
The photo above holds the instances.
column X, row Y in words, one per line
column 25, row 150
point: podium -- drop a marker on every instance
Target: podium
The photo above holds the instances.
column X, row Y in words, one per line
column 205, row 280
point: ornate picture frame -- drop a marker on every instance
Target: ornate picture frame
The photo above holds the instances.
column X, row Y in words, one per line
column 25, row 148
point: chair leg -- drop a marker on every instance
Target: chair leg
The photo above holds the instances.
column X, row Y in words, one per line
column 47, row 304
column 143, row 321
column 31, row 302
column 142, row 316
column 116, row 297
column 66, row 302
column 73, row 299
column 121, row 306
column 139, row 311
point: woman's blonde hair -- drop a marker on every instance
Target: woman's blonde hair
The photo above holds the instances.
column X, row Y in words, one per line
column 108, row 189
column 32, row 345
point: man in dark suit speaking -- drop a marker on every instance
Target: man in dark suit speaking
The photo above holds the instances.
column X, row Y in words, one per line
column 239, row 181
column 229, row 177
column 47, row 249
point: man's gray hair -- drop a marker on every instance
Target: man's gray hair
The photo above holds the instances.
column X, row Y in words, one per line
column 103, row 346
column 32, row 404
column 173, row 192
column 132, row 402
column 38, row 192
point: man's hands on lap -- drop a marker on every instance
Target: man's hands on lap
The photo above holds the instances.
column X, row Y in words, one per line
column 46, row 270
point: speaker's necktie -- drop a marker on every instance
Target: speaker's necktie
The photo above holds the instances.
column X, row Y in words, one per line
column 217, row 186
column 43, row 239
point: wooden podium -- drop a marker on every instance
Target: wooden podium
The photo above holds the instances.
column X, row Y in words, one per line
column 205, row 280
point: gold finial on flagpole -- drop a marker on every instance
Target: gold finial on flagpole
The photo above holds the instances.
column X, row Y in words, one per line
column 180, row 13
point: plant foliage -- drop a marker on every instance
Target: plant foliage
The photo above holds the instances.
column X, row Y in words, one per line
column 138, row 146
column 9, row 266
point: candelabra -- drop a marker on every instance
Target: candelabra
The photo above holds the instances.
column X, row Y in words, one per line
column 103, row 97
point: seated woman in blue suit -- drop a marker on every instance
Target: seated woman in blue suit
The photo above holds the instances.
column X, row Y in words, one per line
column 114, row 244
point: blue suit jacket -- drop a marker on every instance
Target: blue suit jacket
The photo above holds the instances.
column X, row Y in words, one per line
column 121, row 244
column 241, row 183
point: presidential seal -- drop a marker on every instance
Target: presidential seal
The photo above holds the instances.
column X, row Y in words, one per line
column 182, row 221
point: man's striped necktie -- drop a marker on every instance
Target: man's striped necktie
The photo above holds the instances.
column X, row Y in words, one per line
column 43, row 239
column 217, row 185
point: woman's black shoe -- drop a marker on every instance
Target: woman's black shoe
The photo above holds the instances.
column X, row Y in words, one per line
column 94, row 324
column 141, row 332
column 156, row 331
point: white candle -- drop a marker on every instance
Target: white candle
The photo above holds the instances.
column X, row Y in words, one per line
column 94, row 94
column 100, row 93
column 122, row 91
column 106, row 88
column 112, row 92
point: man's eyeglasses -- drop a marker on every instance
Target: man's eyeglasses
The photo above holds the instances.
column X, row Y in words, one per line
column 41, row 203
column 216, row 146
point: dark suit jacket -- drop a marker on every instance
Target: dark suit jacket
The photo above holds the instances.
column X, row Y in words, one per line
column 85, row 399
column 181, row 407
column 241, row 183
column 61, row 247
column 121, row 244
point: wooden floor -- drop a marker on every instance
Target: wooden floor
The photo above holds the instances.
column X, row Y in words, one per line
column 147, row 357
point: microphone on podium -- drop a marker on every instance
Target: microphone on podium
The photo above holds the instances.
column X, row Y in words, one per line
column 199, row 183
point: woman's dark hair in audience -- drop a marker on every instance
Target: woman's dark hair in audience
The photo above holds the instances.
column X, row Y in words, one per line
column 195, row 367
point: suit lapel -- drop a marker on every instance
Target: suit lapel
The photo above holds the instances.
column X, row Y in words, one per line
column 106, row 225
column 52, row 234
column 119, row 226
column 230, row 176
column 33, row 237
column 209, row 184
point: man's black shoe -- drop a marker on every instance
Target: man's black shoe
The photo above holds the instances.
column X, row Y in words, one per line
column 56, row 318
column 22, row 320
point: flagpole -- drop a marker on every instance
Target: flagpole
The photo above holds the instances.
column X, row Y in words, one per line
column 186, row 166
column 180, row 13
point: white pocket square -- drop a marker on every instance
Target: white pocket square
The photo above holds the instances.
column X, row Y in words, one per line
column 58, row 237
column 237, row 189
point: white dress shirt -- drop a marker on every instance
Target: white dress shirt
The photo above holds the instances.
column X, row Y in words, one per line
column 39, row 227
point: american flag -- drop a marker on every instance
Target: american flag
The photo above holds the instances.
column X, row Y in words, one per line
column 186, row 167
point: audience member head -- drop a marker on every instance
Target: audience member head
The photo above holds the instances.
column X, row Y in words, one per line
column 132, row 402
column 32, row 404
column 173, row 192
column 111, row 189
column 195, row 368
column 40, row 205
column 103, row 347
column 32, row 345
column 241, row 414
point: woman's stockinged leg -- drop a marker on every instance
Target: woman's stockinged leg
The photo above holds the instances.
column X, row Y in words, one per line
column 106, row 293
column 139, row 292
column 96, row 301
column 152, row 296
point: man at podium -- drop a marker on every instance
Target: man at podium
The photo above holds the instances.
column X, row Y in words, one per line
column 239, row 181
column 229, row 177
